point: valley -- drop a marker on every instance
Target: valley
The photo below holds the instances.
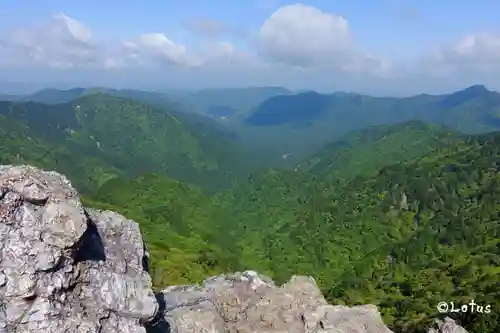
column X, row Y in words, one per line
column 383, row 200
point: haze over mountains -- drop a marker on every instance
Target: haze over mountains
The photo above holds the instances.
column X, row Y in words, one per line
column 355, row 144
column 281, row 123
column 377, row 198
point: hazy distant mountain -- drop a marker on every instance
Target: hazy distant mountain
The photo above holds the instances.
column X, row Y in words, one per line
column 54, row 96
column 302, row 123
column 275, row 122
column 292, row 109
column 9, row 97
column 224, row 103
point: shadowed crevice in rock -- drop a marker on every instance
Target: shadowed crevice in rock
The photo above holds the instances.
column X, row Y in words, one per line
column 159, row 324
column 90, row 246
column 3, row 191
column 145, row 259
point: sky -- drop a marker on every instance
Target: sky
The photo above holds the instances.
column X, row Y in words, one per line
column 380, row 47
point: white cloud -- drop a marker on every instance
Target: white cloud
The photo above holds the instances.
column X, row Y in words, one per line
column 473, row 54
column 157, row 46
column 65, row 43
column 60, row 43
column 305, row 36
column 295, row 43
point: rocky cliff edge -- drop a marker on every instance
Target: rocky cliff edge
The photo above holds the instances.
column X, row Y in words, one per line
column 65, row 268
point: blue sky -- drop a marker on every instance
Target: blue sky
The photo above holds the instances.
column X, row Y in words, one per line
column 399, row 34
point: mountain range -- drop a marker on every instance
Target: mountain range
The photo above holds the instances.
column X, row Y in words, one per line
column 287, row 127
column 122, row 134
column 301, row 123
column 389, row 201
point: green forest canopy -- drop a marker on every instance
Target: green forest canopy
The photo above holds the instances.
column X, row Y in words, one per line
column 414, row 223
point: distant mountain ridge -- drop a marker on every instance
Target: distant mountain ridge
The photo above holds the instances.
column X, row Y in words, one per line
column 284, row 127
column 123, row 134
column 303, row 123
column 226, row 104
column 284, row 109
column 311, row 106
column 397, row 213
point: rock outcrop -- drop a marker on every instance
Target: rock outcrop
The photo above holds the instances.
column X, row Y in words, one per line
column 447, row 325
column 248, row 302
column 64, row 268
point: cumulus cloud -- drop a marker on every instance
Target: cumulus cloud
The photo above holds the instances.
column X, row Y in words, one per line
column 474, row 53
column 61, row 43
column 295, row 43
column 305, row 36
column 157, row 46
column 65, row 43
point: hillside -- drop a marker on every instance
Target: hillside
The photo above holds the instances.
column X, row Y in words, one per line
column 301, row 123
column 402, row 216
column 176, row 220
column 161, row 101
column 126, row 135
column 385, row 239
column 53, row 96
column 21, row 145
column 364, row 152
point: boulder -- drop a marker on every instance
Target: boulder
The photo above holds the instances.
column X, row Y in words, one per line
column 249, row 302
column 447, row 325
column 64, row 268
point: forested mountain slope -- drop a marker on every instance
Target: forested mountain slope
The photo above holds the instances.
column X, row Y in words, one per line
column 123, row 134
column 301, row 123
column 414, row 224
column 177, row 222
column 203, row 125
column 413, row 235
column 364, row 152
column 19, row 144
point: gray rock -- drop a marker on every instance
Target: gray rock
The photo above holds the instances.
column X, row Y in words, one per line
column 248, row 302
column 447, row 325
column 64, row 268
